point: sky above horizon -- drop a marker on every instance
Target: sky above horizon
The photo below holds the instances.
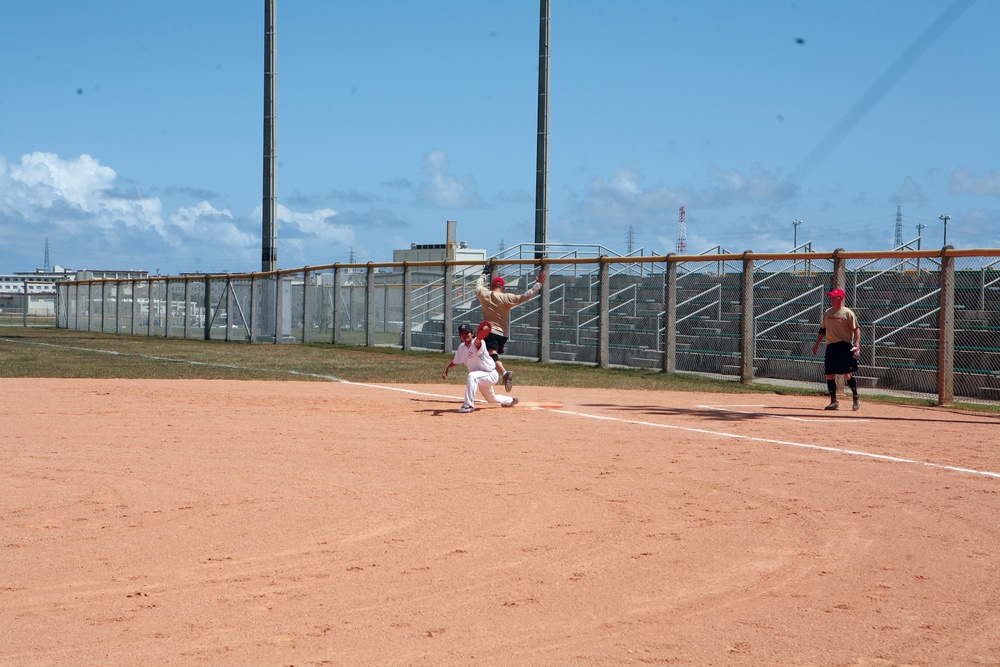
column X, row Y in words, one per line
column 133, row 132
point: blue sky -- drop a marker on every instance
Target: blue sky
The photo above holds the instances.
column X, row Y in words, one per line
column 132, row 132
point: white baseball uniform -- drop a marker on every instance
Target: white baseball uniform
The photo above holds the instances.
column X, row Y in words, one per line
column 482, row 374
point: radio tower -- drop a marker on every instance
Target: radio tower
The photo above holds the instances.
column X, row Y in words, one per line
column 48, row 265
column 899, row 228
column 682, row 233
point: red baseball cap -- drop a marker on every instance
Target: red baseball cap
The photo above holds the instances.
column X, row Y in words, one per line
column 496, row 280
column 837, row 292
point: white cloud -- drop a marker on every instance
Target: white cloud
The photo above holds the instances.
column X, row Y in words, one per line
column 443, row 191
column 963, row 182
column 73, row 195
column 734, row 187
column 317, row 224
column 205, row 223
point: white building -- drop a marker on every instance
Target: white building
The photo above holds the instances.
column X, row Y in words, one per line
column 440, row 252
column 34, row 282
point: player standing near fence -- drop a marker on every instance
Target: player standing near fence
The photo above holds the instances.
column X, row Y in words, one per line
column 482, row 370
column 843, row 345
column 497, row 305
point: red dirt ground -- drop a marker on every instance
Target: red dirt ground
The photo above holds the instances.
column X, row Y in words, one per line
column 307, row 523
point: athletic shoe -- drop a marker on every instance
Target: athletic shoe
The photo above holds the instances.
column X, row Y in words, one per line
column 857, row 404
column 833, row 406
column 508, row 381
column 512, row 403
column 466, row 408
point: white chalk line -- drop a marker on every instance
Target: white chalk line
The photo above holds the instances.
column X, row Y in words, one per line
column 721, row 434
column 786, row 443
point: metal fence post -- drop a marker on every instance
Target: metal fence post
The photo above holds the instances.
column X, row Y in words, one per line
column 149, row 299
column 306, row 309
column 407, row 307
column 207, row 304
column 118, row 306
column 747, row 337
column 24, row 315
column 946, row 331
column 229, row 308
column 338, row 283
column 370, row 306
column 254, row 309
column 103, row 298
column 90, row 306
column 604, row 318
column 187, row 308
column 168, row 302
column 136, row 309
column 670, row 317
column 279, row 305
column 545, row 320
column 840, row 273
column 449, row 302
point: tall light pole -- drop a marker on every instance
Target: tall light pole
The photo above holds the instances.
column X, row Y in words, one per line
column 269, row 205
column 542, row 148
column 945, row 219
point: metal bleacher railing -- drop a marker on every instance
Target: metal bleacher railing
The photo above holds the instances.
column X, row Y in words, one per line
column 930, row 318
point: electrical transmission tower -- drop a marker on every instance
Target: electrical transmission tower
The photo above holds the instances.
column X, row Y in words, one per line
column 682, row 233
column 630, row 239
column 899, row 228
column 48, row 265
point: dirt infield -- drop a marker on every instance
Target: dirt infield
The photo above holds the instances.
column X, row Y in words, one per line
column 309, row 523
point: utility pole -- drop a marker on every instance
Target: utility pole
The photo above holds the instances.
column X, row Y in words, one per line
column 542, row 150
column 899, row 228
column 945, row 219
column 269, row 209
column 682, row 232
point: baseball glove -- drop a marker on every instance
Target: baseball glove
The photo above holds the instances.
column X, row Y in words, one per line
column 484, row 330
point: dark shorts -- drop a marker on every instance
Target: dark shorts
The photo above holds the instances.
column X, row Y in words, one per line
column 839, row 359
column 495, row 343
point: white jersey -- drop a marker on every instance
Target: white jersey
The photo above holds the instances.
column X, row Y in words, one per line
column 473, row 359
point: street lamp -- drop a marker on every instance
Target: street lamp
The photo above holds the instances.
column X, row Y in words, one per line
column 945, row 218
column 795, row 241
column 920, row 228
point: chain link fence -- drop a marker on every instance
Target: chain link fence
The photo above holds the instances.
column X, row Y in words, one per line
column 930, row 320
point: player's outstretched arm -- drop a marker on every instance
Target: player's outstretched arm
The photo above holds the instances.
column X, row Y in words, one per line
column 535, row 289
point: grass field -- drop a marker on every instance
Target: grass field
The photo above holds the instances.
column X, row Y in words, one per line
column 61, row 353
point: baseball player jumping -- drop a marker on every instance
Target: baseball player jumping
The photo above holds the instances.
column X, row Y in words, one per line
column 482, row 369
column 496, row 310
